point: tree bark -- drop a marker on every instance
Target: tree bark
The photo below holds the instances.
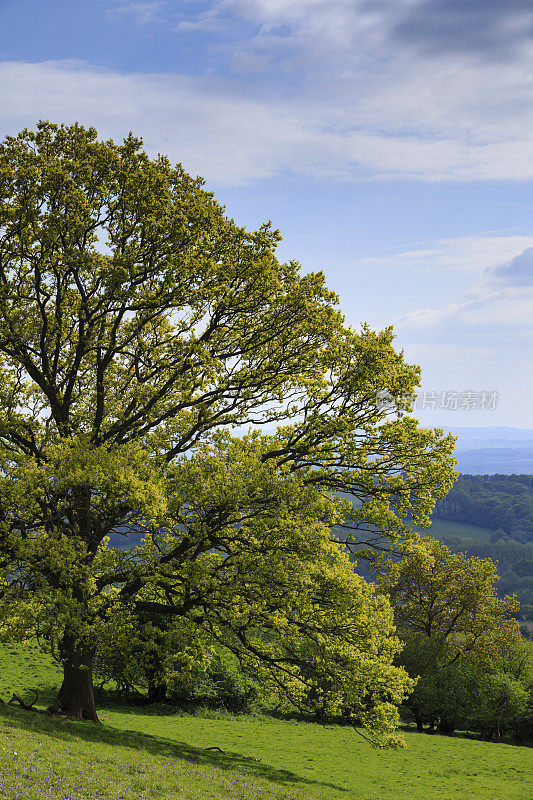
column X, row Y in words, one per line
column 76, row 696
column 419, row 724
column 447, row 727
column 157, row 692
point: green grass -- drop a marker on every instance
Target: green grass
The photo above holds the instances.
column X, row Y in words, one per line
column 60, row 760
column 24, row 667
column 153, row 754
column 443, row 528
column 164, row 757
column 333, row 762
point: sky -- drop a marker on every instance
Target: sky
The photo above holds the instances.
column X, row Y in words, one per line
column 390, row 141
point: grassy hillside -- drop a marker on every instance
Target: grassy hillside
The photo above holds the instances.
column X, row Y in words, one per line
column 153, row 754
column 164, row 757
column 443, row 528
column 24, row 668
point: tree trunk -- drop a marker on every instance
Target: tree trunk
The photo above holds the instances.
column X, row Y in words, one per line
column 519, row 733
column 447, row 727
column 76, row 696
column 418, row 720
column 157, row 692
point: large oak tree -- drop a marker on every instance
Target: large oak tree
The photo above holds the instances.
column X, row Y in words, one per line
column 141, row 333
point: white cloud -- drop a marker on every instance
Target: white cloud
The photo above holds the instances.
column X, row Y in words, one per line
column 230, row 132
column 481, row 342
column 467, row 254
column 404, row 88
column 369, row 90
column 483, row 317
column 516, row 272
column 476, row 27
column 198, row 121
column 206, row 21
column 495, row 311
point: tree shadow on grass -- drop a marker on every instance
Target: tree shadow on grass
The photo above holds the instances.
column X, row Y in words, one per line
column 69, row 730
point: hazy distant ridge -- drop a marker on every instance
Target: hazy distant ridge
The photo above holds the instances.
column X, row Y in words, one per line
column 491, row 450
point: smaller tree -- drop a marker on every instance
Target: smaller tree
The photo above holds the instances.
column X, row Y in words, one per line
column 450, row 694
column 506, row 704
column 498, row 535
column 511, row 687
column 454, row 627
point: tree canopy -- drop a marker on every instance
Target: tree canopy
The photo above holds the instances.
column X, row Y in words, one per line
column 454, row 627
column 448, row 596
column 142, row 333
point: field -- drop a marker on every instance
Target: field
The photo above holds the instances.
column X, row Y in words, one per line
column 443, row 528
column 24, row 668
column 152, row 754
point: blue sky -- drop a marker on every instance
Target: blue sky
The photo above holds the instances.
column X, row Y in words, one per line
column 391, row 141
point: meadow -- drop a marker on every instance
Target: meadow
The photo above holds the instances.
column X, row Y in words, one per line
column 156, row 753
column 441, row 529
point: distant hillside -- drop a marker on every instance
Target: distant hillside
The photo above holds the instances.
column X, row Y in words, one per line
column 492, row 436
column 488, row 516
column 494, row 460
column 491, row 501
column 492, row 450
column 443, row 529
column 502, row 504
